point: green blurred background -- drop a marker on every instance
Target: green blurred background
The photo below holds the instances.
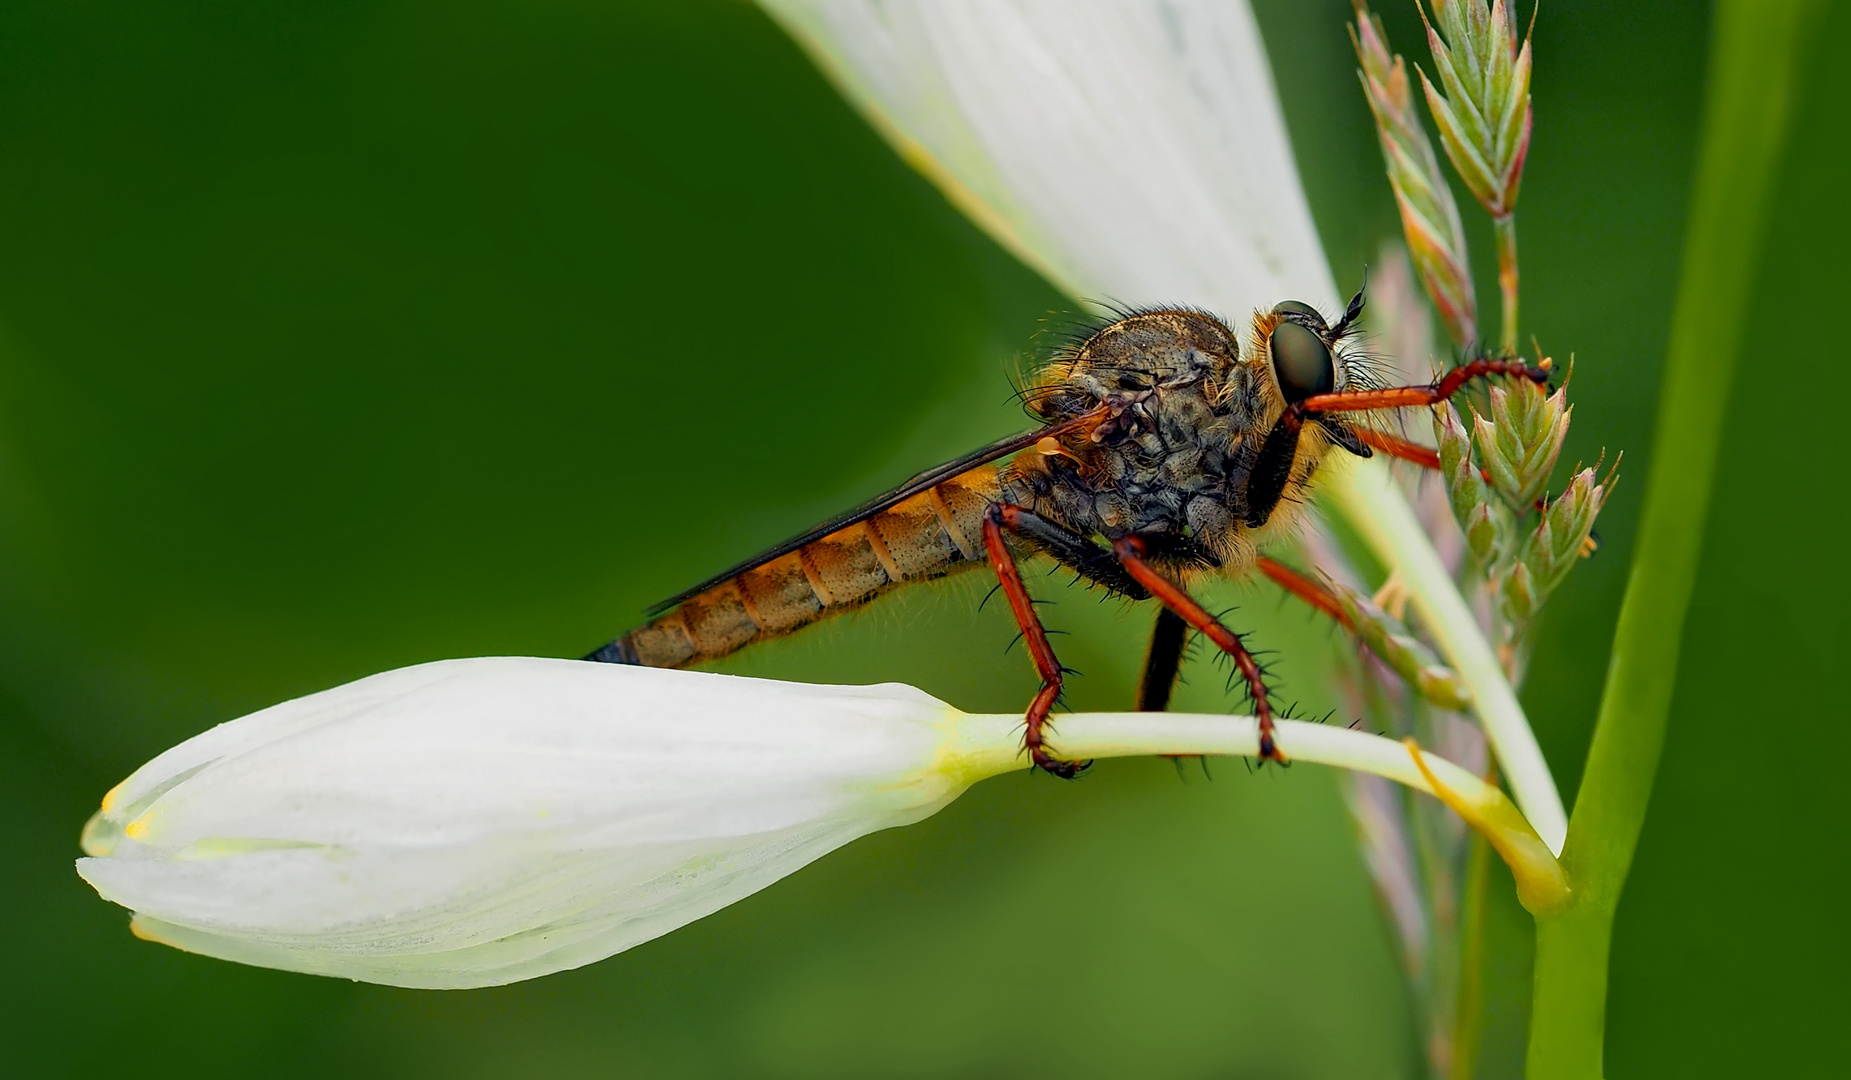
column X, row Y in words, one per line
column 347, row 335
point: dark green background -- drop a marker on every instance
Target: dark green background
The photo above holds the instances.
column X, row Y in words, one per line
column 340, row 336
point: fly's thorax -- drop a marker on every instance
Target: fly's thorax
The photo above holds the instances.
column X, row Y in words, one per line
column 1127, row 359
column 1164, row 465
column 1175, row 392
column 1162, row 368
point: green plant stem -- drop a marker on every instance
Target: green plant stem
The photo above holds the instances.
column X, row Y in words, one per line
column 1506, row 228
column 1438, row 990
column 1468, row 1021
column 1754, row 65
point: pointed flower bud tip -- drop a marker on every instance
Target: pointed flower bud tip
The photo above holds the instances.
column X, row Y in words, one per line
column 474, row 822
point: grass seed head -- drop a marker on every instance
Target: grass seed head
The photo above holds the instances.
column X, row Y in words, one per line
column 1482, row 103
column 1429, row 214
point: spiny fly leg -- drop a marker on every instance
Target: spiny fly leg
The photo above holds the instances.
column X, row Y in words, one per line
column 1009, row 579
column 1132, row 552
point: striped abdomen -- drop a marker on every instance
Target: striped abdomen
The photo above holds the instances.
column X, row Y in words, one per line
column 934, row 533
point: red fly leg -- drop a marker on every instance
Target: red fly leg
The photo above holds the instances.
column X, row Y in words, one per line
column 1009, row 577
column 1401, row 449
column 1400, row 397
column 1305, row 589
column 1131, row 552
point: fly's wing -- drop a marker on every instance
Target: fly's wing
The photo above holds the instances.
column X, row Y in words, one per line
column 925, row 481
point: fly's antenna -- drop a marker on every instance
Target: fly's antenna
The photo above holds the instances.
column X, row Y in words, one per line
column 1354, row 311
column 1363, row 369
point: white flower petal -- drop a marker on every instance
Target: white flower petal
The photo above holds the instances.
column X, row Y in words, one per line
column 476, row 821
column 1133, row 151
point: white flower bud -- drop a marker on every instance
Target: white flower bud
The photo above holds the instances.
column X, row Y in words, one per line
column 474, row 822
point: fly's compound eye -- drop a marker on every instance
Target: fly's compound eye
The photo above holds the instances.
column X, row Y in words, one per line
column 1299, row 308
column 1301, row 361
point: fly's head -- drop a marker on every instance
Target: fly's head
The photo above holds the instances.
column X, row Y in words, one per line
column 1296, row 354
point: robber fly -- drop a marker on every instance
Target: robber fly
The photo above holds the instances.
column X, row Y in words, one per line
column 1166, row 450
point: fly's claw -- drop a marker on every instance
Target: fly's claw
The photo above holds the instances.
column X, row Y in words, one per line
column 1511, row 451
column 1053, row 766
column 1034, row 740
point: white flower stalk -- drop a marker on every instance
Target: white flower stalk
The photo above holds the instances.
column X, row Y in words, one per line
column 476, row 822
column 1135, row 151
